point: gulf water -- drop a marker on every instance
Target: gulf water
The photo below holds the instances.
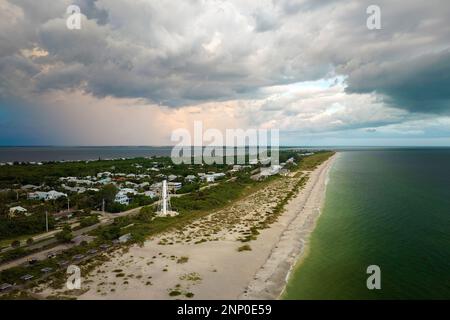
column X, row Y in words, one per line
column 389, row 208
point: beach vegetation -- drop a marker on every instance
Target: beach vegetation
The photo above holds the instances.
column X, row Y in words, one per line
column 245, row 247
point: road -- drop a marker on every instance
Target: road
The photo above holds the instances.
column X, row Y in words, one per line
column 106, row 219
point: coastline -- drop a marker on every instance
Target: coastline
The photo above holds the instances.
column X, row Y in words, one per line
column 207, row 258
column 300, row 218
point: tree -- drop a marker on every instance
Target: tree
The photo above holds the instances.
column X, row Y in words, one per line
column 30, row 241
column 108, row 193
column 15, row 244
column 88, row 221
column 65, row 235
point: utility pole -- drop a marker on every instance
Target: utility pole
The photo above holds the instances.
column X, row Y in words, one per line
column 103, row 205
column 46, row 220
column 68, row 204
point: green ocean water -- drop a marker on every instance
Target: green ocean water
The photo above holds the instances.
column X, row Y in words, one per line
column 389, row 208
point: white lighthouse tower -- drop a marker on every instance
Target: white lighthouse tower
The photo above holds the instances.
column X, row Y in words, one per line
column 165, row 209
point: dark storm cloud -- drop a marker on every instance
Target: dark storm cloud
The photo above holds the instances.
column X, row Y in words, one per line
column 185, row 52
column 92, row 11
column 420, row 84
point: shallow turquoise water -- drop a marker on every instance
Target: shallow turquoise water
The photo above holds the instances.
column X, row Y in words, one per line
column 390, row 208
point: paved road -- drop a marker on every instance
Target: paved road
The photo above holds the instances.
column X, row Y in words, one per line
column 106, row 219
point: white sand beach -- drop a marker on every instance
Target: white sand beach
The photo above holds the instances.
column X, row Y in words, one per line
column 203, row 259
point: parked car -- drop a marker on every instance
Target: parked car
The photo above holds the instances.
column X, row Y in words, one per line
column 104, row 246
column 26, row 277
column 63, row 263
column 5, row 286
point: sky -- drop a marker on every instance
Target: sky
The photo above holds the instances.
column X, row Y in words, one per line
column 139, row 69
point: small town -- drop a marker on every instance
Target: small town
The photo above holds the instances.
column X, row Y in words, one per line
column 50, row 216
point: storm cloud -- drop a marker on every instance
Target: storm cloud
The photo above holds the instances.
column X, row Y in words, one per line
column 179, row 54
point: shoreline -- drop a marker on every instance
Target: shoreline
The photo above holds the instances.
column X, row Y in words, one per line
column 207, row 259
column 301, row 213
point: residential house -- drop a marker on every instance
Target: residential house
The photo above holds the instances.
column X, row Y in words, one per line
column 172, row 177
column 190, row 178
column 29, row 187
column 104, row 174
column 128, row 190
column 210, row 178
column 18, row 210
column 122, row 198
column 105, row 181
column 150, row 194
column 144, row 184
column 53, row 195
column 74, row 189
column 38, row 195
column 174, row 185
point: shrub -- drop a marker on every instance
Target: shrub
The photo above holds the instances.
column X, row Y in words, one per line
column 183, row 260
column 15, row 244
column 245, row 248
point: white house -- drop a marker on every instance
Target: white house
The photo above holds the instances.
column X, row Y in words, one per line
column 172, row 177
column 219, row 175
column 105, row 181
column 190, row 178
column 74, row 189
column 122, row 198
column 150, row 194
column 156, row 186
column 120, row 175
column 127, row 191
column 29, row 186
column 53, row 195
column 175, row 185
column 208, row 178
column 144, row 184
column 104, row 174
column 131, row 184
column 15, row 210
column 275, row 169
column 38, row 195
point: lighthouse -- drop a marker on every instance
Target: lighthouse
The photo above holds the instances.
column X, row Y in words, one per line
column 165, row 209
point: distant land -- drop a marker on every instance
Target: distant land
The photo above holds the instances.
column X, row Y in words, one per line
column 72, row 153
